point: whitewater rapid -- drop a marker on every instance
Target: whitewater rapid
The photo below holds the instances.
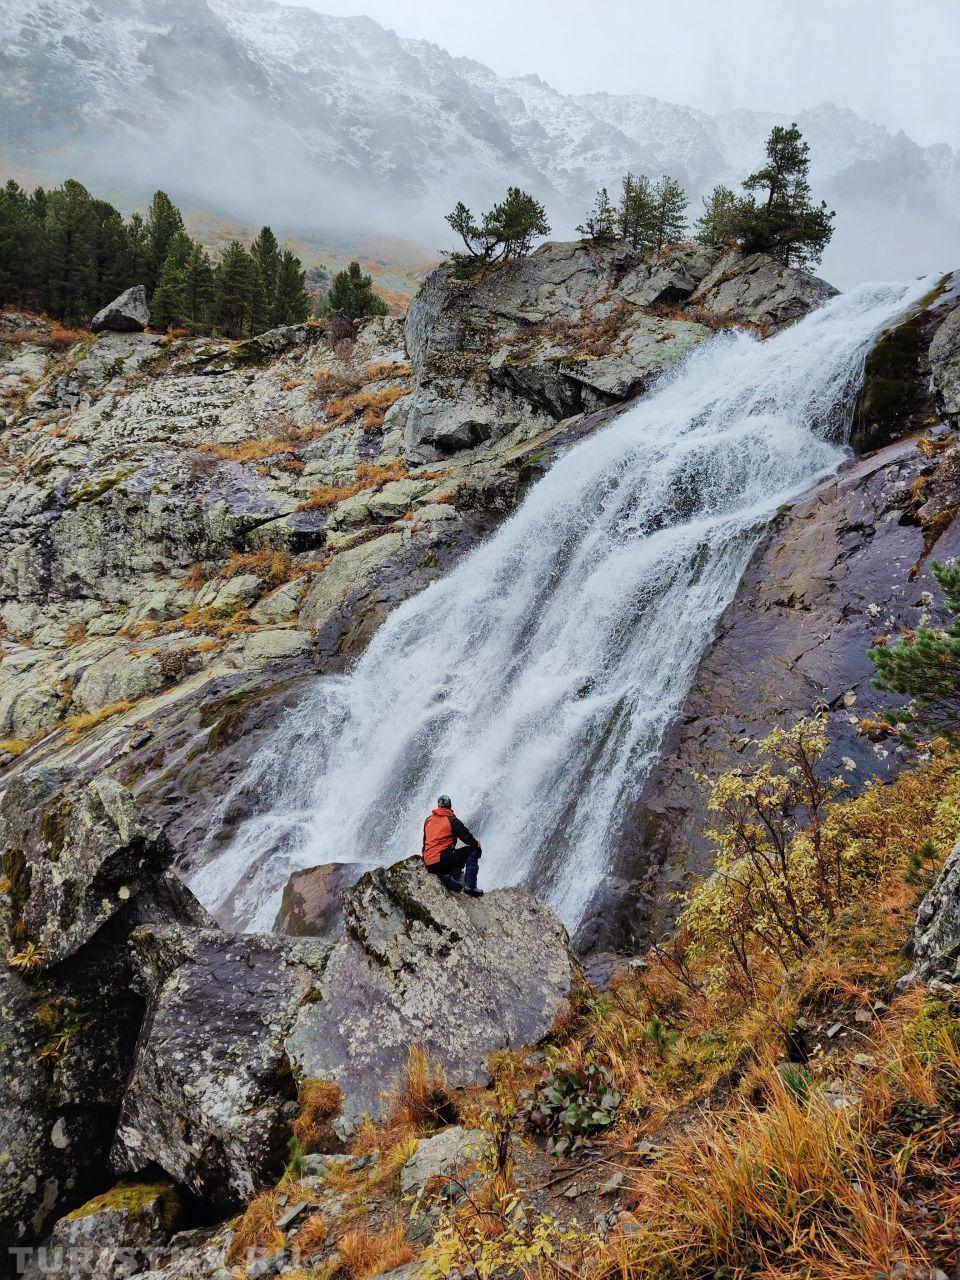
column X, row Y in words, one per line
column 534, row 683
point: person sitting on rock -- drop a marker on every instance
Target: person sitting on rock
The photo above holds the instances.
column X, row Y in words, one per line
column 442, row 858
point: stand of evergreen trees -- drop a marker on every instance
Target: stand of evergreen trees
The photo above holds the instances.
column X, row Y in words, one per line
column 68, row 254
column 647, row 216
column 775, row 215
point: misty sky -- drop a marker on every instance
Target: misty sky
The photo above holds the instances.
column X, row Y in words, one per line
column 893, row 61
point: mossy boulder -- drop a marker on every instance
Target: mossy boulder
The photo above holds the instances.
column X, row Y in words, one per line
column 117, row 1232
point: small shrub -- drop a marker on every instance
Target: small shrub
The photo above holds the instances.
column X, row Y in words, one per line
column 29, row 959
column 320, row 1102
column 570, row 1104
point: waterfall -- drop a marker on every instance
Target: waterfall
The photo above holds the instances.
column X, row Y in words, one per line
column 534, row 682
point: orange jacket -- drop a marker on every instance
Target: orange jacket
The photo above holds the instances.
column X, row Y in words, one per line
column 438, row 835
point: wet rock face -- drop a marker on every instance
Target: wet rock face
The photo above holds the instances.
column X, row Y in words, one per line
column 945, row 365
column 458, row 976
column 128, row 313
column 842, row 567
column 211, row 1094
column 911, row 377
column 935, row 942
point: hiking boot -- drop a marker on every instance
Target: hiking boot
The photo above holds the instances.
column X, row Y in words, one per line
column 473, row 891
column 452, row 884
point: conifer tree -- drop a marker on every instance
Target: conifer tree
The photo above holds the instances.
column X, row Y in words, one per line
column 925, row 667
column 198, row 290
column 292, row 299
column 667, row 218
column 265, row 252
column 69, row 228
column 715, row 224
column 506, row 231
column 601, row 222
column 109, row 250
column 237, row 286
column 164, row 220
column 635, row 211
column 352, row 294
column 168, row 304
column 780, row 218
column 139, row 254
column 18, row 239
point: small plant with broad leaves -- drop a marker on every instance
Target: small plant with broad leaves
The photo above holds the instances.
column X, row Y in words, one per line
column 568, row 1104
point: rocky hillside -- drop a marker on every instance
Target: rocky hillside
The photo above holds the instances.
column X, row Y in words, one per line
column 111, row 92
column 397, row 1079
column 196, row 527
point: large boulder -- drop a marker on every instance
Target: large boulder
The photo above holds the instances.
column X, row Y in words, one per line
column 311, row 905
column 75, row 853
column 935, row 941
column 945, row 365
column 457, row 976
column 117, row 1232
column 211, row 1094
column 756, row 289
column 128, row 313
column 68, row 1029
column 574, row 327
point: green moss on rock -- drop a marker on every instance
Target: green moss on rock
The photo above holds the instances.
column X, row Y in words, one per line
column 136, row 1199
column 94, row 489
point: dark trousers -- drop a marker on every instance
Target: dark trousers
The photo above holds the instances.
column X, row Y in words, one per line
column 452, row 861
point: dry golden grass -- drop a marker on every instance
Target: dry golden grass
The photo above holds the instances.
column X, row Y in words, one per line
column 61, row 337
column 380, row 371
column 272, row 565
column 320, row 1101
column 331, row 382
column 257, row 1228
column 193, row 580
column 223, row 623
column 74, row 726
column 791, row 1187
column 421, row 1100
column 373, row 404
column 312, row 1236
column 369, row 475
column 15, row 746
column 364, row 1252
column 248, row 450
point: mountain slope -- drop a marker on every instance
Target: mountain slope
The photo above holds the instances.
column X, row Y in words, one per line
column 311, row 120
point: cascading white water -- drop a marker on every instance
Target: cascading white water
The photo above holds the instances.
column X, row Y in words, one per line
column 535, row 681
